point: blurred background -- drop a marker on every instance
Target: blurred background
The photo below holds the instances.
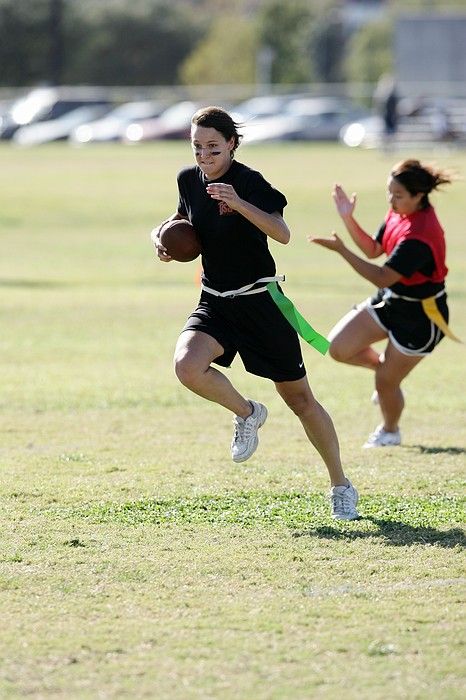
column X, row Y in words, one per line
column 368, row 73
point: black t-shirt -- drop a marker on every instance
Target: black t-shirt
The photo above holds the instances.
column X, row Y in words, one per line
column 234, row 251
column 407, row 258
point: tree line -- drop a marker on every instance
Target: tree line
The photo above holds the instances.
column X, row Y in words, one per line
column 161, row 42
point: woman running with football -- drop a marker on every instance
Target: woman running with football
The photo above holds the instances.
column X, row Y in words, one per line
column 234, row 211
column 410, row 307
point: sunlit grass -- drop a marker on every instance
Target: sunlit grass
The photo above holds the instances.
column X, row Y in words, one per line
column 136, row 559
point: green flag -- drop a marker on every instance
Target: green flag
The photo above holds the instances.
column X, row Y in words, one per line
column 301, row 326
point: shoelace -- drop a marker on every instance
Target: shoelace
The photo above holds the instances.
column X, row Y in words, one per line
column 341, row 501
column 336, row 500
column 239, row 428
column 249, row 426
column 243, row 428
column 338, row 503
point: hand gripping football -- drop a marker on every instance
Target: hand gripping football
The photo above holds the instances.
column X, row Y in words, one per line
column 181, row 240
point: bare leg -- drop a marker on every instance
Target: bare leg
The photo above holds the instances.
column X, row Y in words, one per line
column 388, row 377
column 351, row 339
column 194, row 353
column 317, row 424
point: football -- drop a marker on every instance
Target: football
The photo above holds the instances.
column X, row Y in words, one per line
column 181, row 240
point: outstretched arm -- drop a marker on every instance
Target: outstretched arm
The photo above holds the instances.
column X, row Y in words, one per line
column 345, row 207
column 380, row 275
column 273, row 225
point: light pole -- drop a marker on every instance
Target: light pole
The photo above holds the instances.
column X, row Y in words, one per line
column 56, row 42
column 264, row 61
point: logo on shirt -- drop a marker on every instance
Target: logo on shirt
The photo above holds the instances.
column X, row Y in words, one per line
column 224, row 209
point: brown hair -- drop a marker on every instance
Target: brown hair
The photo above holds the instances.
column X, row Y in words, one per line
column 216, row 118
column 416, row 177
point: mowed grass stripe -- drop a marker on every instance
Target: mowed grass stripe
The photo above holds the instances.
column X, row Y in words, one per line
column 257, row 508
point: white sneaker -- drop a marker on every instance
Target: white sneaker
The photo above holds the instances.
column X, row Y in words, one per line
column 382, row 438
column 245, row 439
column 344, row 500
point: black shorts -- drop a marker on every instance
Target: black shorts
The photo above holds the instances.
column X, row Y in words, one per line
column 253, row 326
column 407, row 326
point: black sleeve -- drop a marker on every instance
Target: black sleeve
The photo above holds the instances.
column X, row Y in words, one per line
column 379, row 235
column 411, row 256
column 181, row 181
column 261, row 193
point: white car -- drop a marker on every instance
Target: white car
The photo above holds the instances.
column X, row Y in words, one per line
column 57, row 129
column 173, row 123
column 304, row 118
column 112, row 127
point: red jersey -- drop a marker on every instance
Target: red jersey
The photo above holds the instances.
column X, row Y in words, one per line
column 423, row 226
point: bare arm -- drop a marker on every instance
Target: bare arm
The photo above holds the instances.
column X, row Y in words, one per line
column 345, row 206
column 273, row 225
column 380, row 275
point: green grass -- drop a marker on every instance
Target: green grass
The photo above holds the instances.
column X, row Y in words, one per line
column 136, row 560
column 291, row 509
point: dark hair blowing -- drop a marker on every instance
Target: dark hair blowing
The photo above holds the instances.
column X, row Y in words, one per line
column 417, row 177
column 216, row 118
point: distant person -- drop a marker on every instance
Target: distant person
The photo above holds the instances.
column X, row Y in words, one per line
column 440, row 123
column 235, row 211
column 409, row 308
column 386, row 101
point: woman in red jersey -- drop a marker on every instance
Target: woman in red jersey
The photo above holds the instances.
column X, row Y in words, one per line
column 410, row 307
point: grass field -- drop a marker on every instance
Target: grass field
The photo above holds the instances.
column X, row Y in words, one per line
column 137, row 561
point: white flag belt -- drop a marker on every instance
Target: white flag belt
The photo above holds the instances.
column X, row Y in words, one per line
column 388, row 294
column 247, row 289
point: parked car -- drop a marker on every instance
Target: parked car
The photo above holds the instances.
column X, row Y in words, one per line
column 45, row 104
column 366, row 132
column 57, row 129
column 306, row 119
column 5, row 107
column 259, row 107
column 112, row 127
column 173, row 123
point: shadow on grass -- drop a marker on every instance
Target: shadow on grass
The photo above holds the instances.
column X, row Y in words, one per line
column 32, row 284
column 423, row 449
column 393, row 533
